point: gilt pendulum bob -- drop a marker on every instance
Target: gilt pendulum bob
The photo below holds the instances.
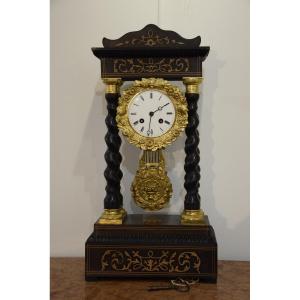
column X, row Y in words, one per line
column 151, row 113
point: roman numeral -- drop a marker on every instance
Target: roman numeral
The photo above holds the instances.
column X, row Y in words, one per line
column 135, row 104
column 133, row 114
column 151, row 95
column 142, row 98
column 142, row 129
column 167, row 122
column 136, row 122
column 169, row 113
column 161, row 129
column 160, row 97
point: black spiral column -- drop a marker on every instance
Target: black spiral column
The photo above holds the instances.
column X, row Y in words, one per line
column 113, row 201
column 192, row 212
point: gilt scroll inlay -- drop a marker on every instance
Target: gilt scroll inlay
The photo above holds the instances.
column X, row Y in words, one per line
column 148, row 261
column 151, row 39
column 151, row 65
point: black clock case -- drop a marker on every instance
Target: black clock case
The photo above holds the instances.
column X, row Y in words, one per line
column 153, row 246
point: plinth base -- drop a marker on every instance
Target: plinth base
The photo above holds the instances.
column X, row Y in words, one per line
column 151, row 246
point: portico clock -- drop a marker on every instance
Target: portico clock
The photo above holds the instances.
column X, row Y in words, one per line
column 151, row 113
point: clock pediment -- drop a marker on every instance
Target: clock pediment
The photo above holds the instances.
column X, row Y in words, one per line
column 151, row 52
column 151, row 36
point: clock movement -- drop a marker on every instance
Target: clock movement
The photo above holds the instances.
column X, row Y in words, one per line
column 151, row 113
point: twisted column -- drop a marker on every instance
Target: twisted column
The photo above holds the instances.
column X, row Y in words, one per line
column 192, row 159
column 113, row 201
column 192, row 212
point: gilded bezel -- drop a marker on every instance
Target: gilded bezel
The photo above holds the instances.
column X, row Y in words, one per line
column 181, row 117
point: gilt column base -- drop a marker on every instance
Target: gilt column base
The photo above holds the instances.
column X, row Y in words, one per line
column 113, row 216
column 190, row 217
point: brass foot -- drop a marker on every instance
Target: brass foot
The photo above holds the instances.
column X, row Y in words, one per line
column 190, row 217
column 123, row 212
column 113, row 216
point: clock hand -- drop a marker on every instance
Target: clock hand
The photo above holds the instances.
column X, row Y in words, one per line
column 165, row 104
column 160, row 108
column 150, row 114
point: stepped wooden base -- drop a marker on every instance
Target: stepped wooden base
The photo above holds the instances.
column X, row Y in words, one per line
column 151, row 246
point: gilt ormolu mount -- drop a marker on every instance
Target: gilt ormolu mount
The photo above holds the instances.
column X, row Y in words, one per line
column 124, row 245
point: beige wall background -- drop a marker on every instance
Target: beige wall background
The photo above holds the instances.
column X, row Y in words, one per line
column 78, row 110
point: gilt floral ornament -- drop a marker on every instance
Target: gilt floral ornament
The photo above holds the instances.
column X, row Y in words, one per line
column 181, row 117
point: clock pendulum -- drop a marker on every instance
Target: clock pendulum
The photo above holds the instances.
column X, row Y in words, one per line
column 151, row 113
column 151, row 188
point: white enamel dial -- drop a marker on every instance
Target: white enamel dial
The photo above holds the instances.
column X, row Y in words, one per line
column 151, row 113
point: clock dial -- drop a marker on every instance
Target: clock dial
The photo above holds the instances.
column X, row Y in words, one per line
column 151, row 113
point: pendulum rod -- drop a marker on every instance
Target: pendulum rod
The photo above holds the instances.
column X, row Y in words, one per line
column 152, row 157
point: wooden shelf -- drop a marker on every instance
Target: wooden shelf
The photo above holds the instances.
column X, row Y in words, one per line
column 67, row 282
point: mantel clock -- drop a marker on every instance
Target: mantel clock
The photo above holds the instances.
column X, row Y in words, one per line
column 151, row 113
